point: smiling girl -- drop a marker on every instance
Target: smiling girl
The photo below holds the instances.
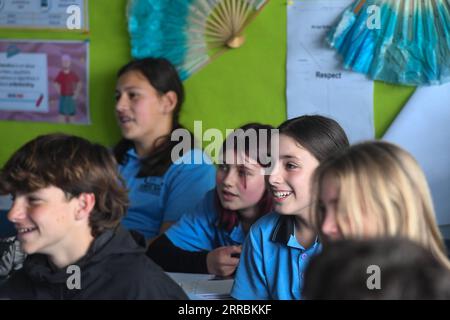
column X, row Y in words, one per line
column 279, row 245
column 209, row 239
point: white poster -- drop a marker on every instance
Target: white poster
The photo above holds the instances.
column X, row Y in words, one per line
column 44, row 14
column 27, row 73
column 316, row 80
column 423, row 129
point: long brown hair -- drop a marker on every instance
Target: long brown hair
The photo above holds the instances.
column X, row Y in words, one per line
column 75, row 166
column 162, row 75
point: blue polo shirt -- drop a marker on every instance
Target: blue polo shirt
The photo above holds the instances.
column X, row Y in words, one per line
column 272, row 261
column 198, row 230
column 155, row 200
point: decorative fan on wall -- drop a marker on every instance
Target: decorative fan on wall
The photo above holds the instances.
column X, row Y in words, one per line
column 397, row 41
column 189, row 33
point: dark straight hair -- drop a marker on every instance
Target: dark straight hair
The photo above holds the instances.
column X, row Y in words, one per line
column 162, row 76
column 321, row 136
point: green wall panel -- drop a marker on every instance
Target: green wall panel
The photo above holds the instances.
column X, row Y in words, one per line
column 242, row 85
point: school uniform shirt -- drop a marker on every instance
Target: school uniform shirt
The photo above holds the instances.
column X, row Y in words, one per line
column 155, row 200
column 272, row 261
column 115, row 267
column 198, row 230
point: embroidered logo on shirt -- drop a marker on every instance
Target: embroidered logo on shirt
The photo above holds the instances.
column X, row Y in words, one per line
column 151, row 185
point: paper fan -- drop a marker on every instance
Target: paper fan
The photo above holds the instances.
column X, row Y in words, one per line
column 397, row 41
column 189, row 33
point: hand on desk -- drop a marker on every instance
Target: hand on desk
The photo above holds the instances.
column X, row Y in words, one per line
column 223, row 261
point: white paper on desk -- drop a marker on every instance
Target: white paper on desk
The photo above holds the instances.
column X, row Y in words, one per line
column 349, row 98
column 423, row 129
column 203, row 286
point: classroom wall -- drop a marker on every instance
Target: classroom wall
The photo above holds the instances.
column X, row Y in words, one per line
column 245, row 84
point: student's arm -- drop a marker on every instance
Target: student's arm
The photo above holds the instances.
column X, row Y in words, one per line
column 173, row 259
column 184, row 246
column 250, row 282
column 223, row 261
column 165, row 226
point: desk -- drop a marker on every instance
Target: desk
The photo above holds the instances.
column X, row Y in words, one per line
column 203, row 286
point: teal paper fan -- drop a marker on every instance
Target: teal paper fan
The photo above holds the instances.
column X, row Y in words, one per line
column 189, row 33
column 397, row 41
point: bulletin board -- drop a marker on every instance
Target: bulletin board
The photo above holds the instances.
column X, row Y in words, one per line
column 242, row 85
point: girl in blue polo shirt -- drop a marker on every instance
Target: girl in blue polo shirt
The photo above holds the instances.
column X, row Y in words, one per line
column 162, row 184
column 209, row 239
column 279, row 245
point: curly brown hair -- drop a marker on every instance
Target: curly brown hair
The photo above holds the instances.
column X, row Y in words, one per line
column 75, row 165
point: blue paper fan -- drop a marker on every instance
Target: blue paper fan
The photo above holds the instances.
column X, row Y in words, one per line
column 189, row 33
column 397, row 41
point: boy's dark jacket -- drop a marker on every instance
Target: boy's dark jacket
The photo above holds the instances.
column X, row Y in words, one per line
column 115, row 267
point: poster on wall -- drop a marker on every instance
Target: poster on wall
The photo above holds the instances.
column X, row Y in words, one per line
column 44, row 81
column 44, row 14
column 316, row 80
